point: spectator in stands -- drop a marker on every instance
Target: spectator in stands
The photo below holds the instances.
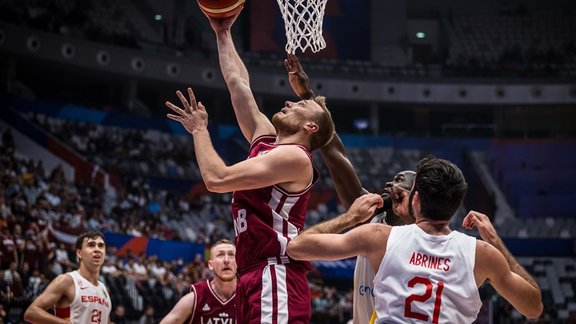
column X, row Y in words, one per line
column 119, row 315
column 148, row 316
column 61, row 254
column 14, row 280
column 36, row 284
column 8, row 142
column 9, row 252
column 3, row 314
column 110, row 269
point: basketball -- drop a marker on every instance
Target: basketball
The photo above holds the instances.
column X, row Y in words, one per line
column 220, row 8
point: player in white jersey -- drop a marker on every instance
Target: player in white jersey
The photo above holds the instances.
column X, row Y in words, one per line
column 394, row 193
column 78, row 297
column 426, row 271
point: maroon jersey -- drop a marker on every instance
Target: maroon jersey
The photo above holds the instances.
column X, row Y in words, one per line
column 209, row 308
column 266, row 219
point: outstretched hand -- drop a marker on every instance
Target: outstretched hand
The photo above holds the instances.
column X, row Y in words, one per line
column 364, row 207
column 482, row 222
column 298, row 79
column 223, row 24
column 193, row 117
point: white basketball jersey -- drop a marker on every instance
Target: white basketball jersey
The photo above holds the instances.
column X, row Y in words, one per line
column 363, row 301
column 91, row 303
column 427, row 278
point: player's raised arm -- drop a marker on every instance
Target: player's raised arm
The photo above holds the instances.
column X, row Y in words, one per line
column 506, row 275
column 252, row 122
column 526, row 298
column 346, row 181
column 272, row 168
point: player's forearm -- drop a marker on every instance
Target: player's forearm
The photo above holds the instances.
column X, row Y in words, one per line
column 238, row 83
column 305, row 92
column 230, row 62
column 334, row 225
column 516, row 267
column 346, row 181
column 172, row 319
column 35, row 314
column 212, row 167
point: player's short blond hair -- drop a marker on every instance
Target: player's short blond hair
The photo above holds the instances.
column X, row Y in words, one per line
column 325, row 124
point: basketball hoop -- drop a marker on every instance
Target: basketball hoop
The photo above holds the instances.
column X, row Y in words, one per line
column 303, row 22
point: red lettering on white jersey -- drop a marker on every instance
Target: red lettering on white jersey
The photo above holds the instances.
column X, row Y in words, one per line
column 430, row 261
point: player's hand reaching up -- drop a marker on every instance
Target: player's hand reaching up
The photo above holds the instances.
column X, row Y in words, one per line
column 298, row 79
column 482, row 222
column 223, row 24
column 193, row 117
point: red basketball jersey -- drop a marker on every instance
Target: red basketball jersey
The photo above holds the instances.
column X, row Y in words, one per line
column 266, row 219
column 209, row 308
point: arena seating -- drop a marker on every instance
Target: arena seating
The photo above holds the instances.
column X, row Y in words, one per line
column 537, row 176
column 533, row 43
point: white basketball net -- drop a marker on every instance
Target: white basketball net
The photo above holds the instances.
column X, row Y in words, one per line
column 303, row 23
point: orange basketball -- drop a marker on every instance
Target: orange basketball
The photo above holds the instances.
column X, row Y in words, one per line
column 220, row 8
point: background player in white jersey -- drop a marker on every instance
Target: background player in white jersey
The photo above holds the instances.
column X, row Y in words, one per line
column 210, row 301
column 425, row 271
column 77, row 297
column 391, row 214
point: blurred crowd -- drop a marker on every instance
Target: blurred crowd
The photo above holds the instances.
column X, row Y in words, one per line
column 70, row 18
column 151, row 154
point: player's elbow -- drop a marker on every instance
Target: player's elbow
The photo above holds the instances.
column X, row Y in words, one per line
column 294, row 250
column 216, row 181
column 215, row 185
column 532, row 306
column 29, row 315
column 535, row 310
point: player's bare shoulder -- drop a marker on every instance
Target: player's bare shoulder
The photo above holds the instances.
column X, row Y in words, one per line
column 374, row 234
column 297, row 150
column 63, row 287
column 487, row 258
column 290, row 155
column 64, row 280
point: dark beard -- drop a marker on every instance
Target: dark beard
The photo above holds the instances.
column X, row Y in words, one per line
column 393, row 219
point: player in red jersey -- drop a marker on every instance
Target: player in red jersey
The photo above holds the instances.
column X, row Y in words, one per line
column 271, row 188
column 210, row 301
